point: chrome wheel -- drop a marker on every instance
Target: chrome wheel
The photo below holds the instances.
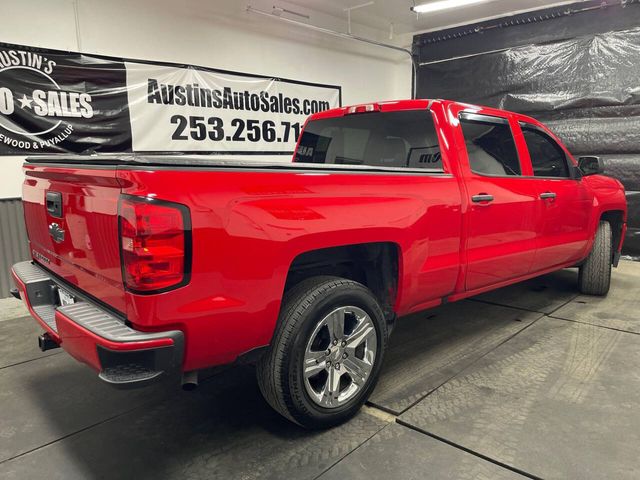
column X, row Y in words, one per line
column 339, row 356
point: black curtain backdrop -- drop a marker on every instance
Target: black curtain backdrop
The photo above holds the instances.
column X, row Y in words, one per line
column 584, row 86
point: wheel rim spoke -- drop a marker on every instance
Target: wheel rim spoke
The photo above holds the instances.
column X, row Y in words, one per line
column 323, row 397
column 314, row 363
column 334, row 382
column 358, row 369
column 335, row 323
column 363, row 331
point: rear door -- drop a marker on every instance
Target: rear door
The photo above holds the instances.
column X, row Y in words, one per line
column 566, row 201
column 71, row 215
column 502, row 217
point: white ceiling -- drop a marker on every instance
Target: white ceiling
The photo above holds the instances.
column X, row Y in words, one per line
column 384, row 12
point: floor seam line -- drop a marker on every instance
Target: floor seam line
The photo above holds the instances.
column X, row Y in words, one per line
column 369, row 403
column 30, row 360
column 71, row 434
column 468, row 450
column 564, row 304
column 489, row 302
column 593, row 325
column 341, row 459
column 496, row 304
column 542, row 315
column 88, row 427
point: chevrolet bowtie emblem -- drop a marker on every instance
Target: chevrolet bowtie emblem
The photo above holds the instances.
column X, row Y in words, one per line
column 56, row 232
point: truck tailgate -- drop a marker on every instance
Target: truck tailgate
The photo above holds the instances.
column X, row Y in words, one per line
column 71, row 216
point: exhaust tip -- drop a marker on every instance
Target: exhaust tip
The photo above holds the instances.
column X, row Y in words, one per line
column 190, row 381
column 45, row 342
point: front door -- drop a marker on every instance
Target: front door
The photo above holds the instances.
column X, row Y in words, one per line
column 567, row 202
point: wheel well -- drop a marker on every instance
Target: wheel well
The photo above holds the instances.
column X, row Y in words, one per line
column 375, row 265
column 616, row 220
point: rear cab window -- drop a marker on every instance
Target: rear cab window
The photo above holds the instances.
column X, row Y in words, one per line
column 402, row 139
column 490, row 145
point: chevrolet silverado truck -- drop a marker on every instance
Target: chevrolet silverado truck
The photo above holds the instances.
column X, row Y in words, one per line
column 148, row 266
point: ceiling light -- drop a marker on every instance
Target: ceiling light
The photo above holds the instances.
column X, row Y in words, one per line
column 443, row 5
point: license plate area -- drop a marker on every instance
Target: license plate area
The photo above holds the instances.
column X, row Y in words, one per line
column 65, row 298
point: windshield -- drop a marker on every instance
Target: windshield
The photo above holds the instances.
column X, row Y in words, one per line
column 383, row 139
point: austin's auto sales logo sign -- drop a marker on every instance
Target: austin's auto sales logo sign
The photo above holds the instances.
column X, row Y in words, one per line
column 35, row 110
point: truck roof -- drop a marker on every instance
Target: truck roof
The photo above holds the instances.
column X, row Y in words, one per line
column 384, row 106
column 412, row 104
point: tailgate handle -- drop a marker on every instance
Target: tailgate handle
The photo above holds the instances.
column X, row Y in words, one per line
column 54, row 204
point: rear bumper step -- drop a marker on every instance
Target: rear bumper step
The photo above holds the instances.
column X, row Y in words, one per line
column 122, row 356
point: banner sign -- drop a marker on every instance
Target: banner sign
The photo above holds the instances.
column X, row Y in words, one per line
column 62, row 102
column 188, row 109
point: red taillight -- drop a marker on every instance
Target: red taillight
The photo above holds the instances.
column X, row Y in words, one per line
column 155, row 243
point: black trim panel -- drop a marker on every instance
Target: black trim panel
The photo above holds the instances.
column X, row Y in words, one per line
column 481, row 117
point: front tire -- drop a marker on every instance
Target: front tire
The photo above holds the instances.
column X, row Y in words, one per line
column 594, row 275
column 326, row 352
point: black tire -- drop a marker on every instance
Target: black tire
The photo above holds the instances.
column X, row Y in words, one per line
column 594, row 275
column 280, row 370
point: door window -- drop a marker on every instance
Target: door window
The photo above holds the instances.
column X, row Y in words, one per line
column 548, row 159
column 490, row 145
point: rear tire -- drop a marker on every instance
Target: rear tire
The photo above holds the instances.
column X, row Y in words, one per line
column 594, row 275
column 326, row 353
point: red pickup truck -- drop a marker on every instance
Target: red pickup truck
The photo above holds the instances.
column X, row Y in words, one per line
column 143, row 266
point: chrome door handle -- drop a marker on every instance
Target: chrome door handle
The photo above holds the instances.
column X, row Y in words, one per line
column 547, row 195
column 482, row 197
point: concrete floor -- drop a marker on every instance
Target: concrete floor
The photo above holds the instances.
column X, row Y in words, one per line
column 532, row 380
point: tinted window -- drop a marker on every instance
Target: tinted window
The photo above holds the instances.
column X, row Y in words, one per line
column 547, row 157
column 382, row 139
column 490, row 146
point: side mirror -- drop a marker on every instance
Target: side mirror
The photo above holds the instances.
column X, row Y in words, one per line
column 591, row 165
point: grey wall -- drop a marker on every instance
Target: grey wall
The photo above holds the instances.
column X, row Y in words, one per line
column 576, row 68
column 13, row 241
